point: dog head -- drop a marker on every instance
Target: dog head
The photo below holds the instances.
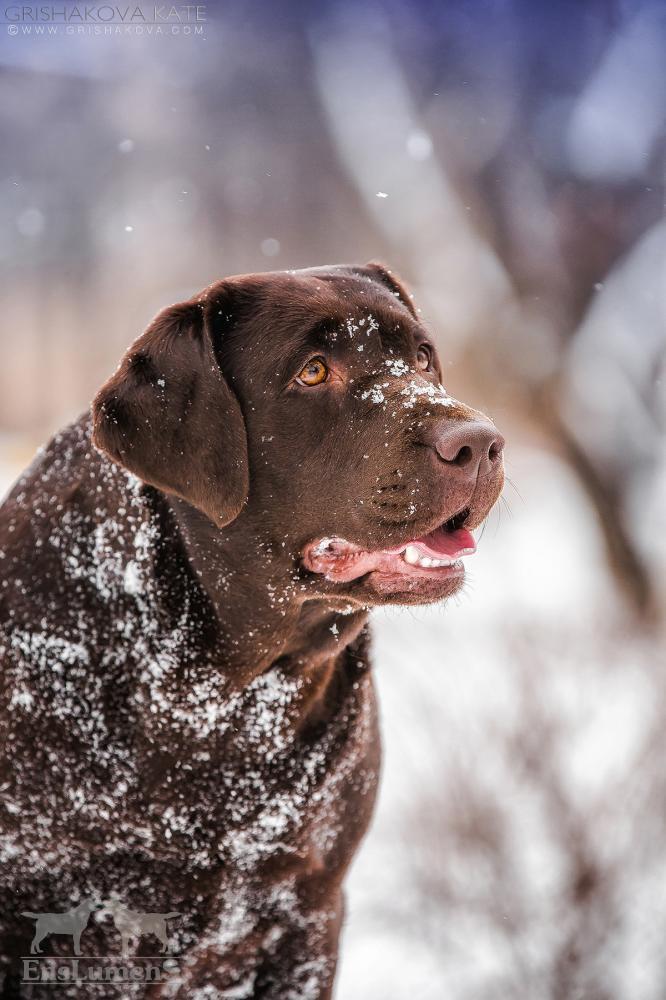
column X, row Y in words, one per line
column 303, row 411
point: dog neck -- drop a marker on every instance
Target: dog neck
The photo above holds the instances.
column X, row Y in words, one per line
column 263, row 608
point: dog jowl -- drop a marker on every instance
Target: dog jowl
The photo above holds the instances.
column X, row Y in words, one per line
column 188, row 570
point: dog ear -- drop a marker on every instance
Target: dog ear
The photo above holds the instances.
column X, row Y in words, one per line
column 385, row 277
column 168, row 415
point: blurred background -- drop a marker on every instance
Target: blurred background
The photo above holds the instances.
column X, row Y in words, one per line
column 507, row 159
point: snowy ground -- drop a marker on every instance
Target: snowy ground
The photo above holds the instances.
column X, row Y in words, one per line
column 510, row 721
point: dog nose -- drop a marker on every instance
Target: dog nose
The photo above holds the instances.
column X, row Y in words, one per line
column 472, row 449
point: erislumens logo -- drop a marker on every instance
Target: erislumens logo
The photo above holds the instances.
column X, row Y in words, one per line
column 132, row 925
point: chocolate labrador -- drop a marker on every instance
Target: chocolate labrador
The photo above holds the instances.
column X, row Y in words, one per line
column 187, row 705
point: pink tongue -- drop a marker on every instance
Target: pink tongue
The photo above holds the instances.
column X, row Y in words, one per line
column 446, row 543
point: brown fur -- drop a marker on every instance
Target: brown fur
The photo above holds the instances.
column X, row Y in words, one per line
column 187, row 712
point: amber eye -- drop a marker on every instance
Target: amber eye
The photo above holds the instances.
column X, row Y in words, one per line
column 424, row 356
column 313, row 373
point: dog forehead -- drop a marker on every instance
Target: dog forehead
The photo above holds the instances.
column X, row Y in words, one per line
column 327, row 288
column 285, row 310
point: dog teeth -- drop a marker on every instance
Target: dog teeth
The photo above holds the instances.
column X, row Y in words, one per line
column 412, row 556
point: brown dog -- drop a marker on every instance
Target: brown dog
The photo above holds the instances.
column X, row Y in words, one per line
column 187, row 706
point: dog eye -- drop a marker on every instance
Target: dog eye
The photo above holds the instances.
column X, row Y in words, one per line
column 424, row 357
column 313, row 373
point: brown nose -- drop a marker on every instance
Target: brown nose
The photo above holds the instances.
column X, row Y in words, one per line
column 472, row 449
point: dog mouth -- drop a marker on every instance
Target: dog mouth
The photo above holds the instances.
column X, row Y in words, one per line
column 437, row 554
